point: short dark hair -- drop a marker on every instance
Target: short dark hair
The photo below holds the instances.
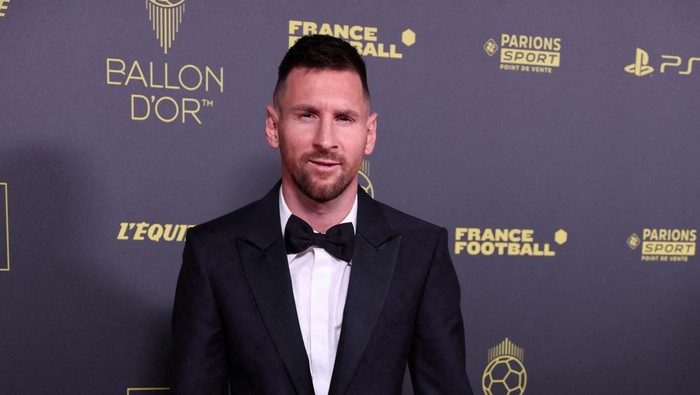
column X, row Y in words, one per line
column 321, row 52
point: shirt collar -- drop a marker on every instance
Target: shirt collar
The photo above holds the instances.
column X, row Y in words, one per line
column 285, row 213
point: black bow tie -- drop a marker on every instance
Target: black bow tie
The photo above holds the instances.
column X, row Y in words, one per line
column 337, row 241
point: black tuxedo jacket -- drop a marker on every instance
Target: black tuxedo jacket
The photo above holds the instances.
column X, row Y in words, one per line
column 235, row 323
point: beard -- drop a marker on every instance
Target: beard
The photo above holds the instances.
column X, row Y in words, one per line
column 322, row 187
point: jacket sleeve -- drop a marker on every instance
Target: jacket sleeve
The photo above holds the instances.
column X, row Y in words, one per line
column 199, row 364
column 437, row 358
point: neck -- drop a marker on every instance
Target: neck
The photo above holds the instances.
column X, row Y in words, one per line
column 320, row 215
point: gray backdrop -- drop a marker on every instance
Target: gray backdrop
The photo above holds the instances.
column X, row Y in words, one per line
column 558, row 144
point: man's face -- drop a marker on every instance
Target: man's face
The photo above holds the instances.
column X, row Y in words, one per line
column 322, row 126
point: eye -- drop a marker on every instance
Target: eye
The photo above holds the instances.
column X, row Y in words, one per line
column 305, row 116
column 345, row 119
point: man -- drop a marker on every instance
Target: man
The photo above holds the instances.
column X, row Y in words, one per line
column 317, row 288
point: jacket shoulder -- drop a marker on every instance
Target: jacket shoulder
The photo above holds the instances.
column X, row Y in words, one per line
column 237, row 223
column 401, row 222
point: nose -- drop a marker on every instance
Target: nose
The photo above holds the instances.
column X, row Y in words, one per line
column 325, row 136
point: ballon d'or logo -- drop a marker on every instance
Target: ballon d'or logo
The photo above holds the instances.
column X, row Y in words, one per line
column 505, row 372
column 165, row 17
column 364, row 180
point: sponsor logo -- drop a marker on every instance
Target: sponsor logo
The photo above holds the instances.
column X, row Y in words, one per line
column 142, row 231
column 4, row 229
column 505, row 372
column 165, row 17
column 364, row 38
column 364, row 180
column 490, row 47
column 640, row 67
column 525, row 53
column 668, row 63
column 665, row 245
column 504, row 242
column 3, row 6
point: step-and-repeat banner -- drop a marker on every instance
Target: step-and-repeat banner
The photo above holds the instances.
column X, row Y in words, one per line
column 558, row 143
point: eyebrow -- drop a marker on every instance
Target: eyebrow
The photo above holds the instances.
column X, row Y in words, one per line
column 304, row 108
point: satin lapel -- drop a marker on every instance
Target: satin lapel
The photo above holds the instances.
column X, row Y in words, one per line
column 265, row 263
column 374, row 258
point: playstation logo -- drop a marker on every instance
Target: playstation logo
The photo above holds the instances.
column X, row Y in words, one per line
column 640, row 67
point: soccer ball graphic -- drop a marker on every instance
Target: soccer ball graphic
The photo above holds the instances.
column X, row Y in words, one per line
column 504, row 375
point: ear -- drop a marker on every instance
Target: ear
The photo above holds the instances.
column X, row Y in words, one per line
column 272, row 127
column 371, row 133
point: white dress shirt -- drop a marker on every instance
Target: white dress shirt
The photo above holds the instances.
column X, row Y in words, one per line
column 320, row 285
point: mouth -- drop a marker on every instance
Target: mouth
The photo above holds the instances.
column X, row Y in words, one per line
column 323, row 166
column 324, row 162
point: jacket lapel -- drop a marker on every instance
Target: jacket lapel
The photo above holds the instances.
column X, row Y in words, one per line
column 375, row 253
column 264, row 260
